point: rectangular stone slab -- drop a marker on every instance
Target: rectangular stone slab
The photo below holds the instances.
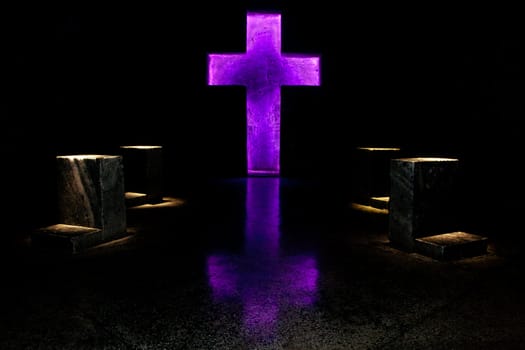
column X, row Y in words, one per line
column 379, row 202
column 452, row 245
column 66, row 238
column 134, row 199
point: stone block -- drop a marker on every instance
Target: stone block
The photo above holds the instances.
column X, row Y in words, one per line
column 423, row 198
column 453, row 245
column 143, row 174
column 91, row 193
column 67, row 239
column 371, row 176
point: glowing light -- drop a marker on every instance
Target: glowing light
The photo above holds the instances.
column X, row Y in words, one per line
column 142, row 147
column 167, row 202
column 372, row 149
column 262, row 69
column 381, row 199
column 86, row 156
column 430, row 159
column 368, row 209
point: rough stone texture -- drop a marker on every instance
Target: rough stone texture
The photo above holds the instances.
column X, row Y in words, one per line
column 143, row 174
column 423, row 193
column 452, row 245
column 91, row 193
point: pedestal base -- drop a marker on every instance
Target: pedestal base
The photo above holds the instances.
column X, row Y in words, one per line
column 70, row 239
column 66, row 238
column 134, row 199
column 372, row 204
column 379, row 202
column 452, row 245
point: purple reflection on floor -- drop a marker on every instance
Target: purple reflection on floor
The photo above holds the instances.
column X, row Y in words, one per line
column 263, row 279
column 222, row 276
column 263, row 70
column 262, row 217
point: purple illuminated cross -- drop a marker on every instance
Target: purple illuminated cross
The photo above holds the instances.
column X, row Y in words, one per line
column 263, row 70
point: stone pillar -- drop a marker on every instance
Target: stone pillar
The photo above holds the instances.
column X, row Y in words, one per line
column 91, row 203
column 91, row 192
column 371, row 179
column 423, row 194
column 143, row 174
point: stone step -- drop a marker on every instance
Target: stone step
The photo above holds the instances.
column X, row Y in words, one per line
column 134, row 199
column 451, row 245
column 379, row 202
column 372, row 204
column 68, row 239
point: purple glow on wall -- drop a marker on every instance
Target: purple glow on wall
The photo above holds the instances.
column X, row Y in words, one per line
column 263, row 277
column 262, row 69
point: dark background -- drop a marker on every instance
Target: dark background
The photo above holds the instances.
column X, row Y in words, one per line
column 435, row 79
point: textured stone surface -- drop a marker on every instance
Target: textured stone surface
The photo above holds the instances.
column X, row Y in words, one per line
column 91, row 193
column 452, row 245
column 423, row 193
column 143, row 174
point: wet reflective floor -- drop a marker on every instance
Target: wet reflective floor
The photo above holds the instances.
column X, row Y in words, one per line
column 258, row 263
